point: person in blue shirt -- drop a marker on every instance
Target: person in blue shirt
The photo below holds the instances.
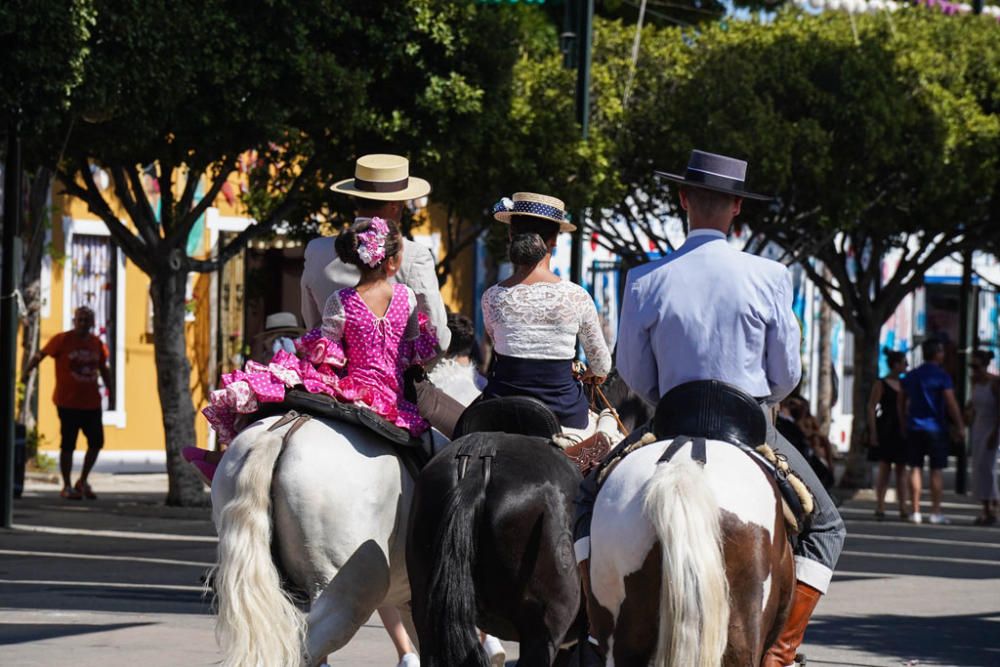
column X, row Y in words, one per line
column 926, row 402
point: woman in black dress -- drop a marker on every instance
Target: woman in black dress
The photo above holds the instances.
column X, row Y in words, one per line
column 885, row 438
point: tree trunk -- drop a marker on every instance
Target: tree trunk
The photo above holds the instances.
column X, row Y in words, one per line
column 824, row 372
column 30, row 325
column 866, row 357
column 173, row 379
column 33, row 244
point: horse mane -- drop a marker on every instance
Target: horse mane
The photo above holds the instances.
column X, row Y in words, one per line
column 460, row 381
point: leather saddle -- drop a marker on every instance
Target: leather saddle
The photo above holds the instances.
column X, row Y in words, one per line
column 517, row 415
column 713, row 410
column 321, row 405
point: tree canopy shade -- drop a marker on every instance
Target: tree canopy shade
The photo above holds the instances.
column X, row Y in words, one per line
column 879, row 134
column 185, row 88
column 46, row 49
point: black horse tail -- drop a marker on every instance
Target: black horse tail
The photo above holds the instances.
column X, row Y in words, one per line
column 451, row 604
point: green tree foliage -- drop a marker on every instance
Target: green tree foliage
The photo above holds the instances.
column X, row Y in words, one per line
column 46, row 48
column 181, row 89
column 880, row 136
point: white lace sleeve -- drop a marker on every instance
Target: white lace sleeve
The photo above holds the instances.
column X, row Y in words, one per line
column 591, row 336
column 487, row 309
column 333, row 318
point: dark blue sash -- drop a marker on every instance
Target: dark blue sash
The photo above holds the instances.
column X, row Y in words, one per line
column 549, row 380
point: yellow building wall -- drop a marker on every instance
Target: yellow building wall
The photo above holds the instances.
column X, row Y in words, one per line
column 458, row 292
column 143, row 428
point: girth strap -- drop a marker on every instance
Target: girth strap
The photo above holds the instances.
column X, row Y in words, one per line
column 699, row 452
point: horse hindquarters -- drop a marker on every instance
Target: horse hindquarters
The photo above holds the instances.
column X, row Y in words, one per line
column 694, row 601
column 444, row 590
column 257, row 623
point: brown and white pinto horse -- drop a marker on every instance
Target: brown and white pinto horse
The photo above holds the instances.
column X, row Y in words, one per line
column 690, row 564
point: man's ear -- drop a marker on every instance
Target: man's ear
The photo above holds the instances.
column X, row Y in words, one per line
column 684, row 199
column 737, row 205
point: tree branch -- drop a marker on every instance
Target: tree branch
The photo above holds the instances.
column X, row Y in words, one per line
column 253, row 231
column 131, row 245
column 143, row 223
column 139, row 193
column 168, row 215
column 190, row 186
column 827, row 290
column 187, row 219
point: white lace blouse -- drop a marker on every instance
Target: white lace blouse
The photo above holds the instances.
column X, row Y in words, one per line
column 543, row 321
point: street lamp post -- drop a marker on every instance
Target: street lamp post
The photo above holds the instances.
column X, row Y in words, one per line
column 584, row 26
column 8, row 320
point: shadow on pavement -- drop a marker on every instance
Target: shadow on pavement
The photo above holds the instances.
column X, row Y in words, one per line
column 125, row 552
column 22, row 633
column 944, row 640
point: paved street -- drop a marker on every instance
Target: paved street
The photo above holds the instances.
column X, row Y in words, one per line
column 115, row 582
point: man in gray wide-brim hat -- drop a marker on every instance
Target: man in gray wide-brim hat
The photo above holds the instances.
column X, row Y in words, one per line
column 711, row 312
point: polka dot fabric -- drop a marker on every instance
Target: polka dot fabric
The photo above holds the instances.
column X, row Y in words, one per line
column 363, row 363
column 378, row 351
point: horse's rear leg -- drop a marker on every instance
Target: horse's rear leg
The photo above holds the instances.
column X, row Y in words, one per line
column 347, row 602
column 536, row 650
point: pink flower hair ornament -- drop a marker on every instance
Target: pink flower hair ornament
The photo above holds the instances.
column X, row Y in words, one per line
column 371, row 243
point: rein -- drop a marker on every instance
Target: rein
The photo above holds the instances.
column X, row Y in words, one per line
column 595, row 393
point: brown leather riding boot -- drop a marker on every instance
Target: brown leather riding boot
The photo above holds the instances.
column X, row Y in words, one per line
column 782, row 653
column 587, row 653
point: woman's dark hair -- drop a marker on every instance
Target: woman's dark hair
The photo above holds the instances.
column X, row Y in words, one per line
column 347, row 245
column 893, row 357
column 463, row 335
column 983, row 356
column 530, row 238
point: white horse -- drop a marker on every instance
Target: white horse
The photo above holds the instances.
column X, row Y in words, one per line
column 338, row 521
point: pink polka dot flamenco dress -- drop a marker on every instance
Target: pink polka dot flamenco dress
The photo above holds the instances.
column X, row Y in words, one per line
column 356, row 357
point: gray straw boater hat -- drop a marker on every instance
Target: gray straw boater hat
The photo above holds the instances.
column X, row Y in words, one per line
column 534, row 206
column 718, row 173
column 383, row 177
column 284, row 323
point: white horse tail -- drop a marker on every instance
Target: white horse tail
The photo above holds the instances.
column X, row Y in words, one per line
column 257, row 625
column 694, row 591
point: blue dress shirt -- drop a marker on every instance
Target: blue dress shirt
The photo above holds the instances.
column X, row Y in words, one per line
column 709, row 312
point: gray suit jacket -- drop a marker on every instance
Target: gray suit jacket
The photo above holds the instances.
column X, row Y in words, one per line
column 325, row 274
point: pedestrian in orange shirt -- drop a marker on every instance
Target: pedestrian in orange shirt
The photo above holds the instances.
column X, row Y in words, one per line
column 80, row 356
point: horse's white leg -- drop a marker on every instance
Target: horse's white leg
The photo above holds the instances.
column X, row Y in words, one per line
column 338, row 508
column 349, row 600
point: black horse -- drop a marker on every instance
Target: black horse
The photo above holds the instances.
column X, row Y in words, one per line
column 633, row 410
column 491, row 545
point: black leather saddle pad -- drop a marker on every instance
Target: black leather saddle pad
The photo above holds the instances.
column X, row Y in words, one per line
column 321, row 405
column 713, row 410
column 517, row 415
